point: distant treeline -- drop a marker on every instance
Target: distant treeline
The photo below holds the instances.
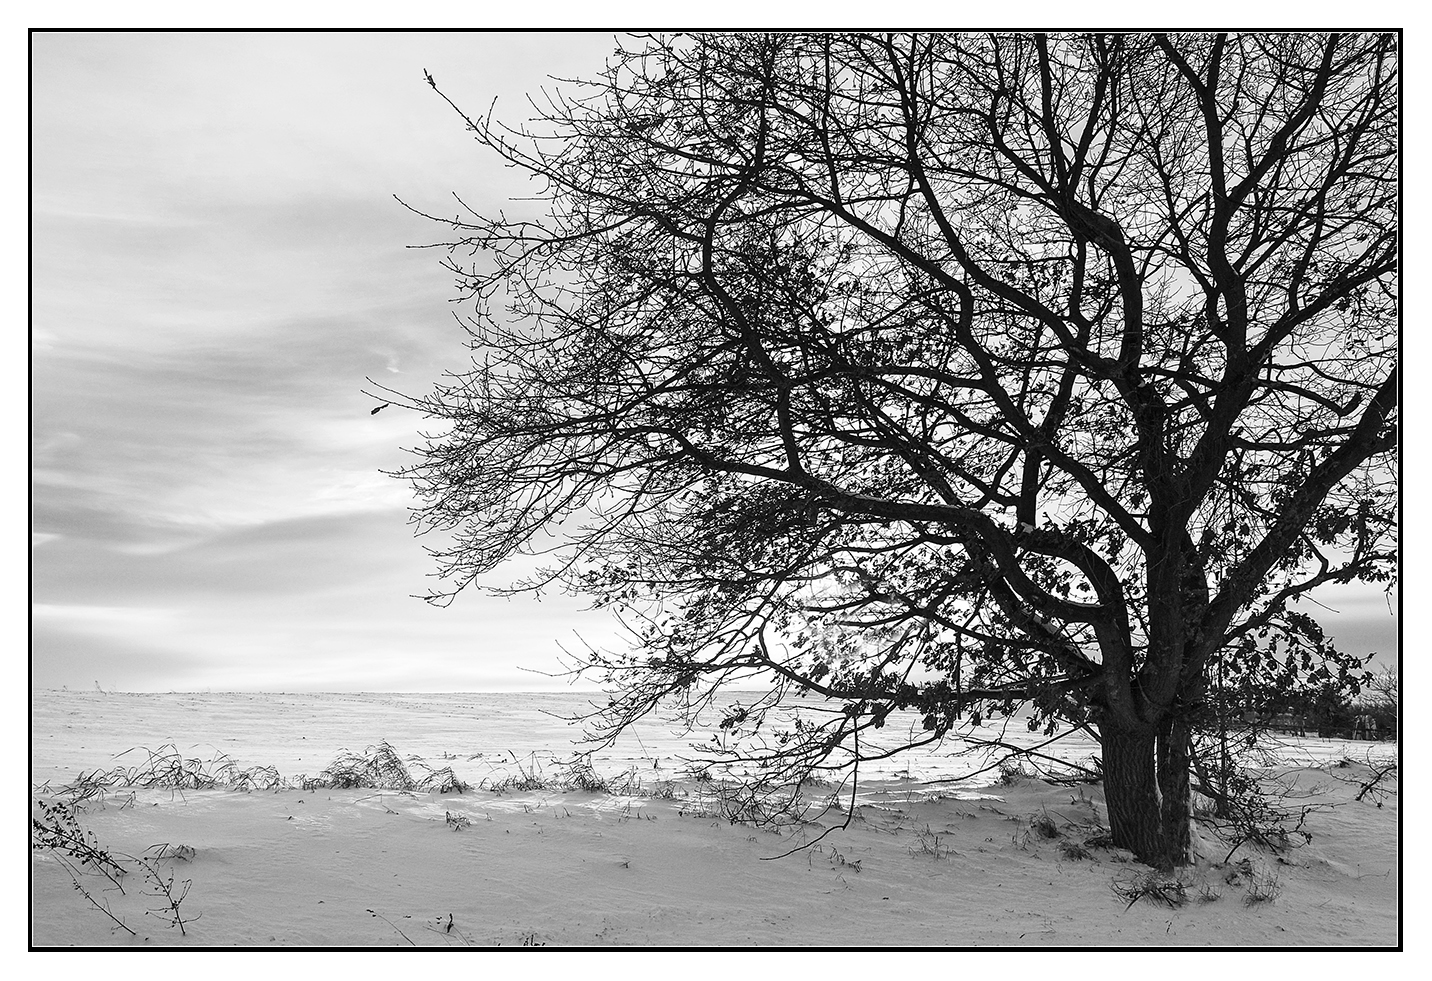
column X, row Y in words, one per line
column 1326, row 712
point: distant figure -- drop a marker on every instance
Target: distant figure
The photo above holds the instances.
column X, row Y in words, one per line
column 1365, row 727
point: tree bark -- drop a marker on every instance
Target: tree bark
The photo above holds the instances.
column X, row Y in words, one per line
column 1174, row 758
column 1131, row 792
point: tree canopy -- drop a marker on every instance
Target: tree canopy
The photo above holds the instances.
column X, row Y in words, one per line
column 948, row 373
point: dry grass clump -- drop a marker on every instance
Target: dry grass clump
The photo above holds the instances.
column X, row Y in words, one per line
column 87, row 788
column 526, row 779
column 1264, row 887
column 758, row 803
column 376, row 768
column 929, row 842
column 1042, row 827
column 1155, row 887
column 1012, row 773
column 1261, row 885
column 634, row 786
column 381, row 768
column 580, row 776
column 442, row 781
column 167, row 768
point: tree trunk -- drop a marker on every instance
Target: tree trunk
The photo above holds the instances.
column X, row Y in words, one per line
column 1131, row 792
column 1147, row 789
column 1174, row 761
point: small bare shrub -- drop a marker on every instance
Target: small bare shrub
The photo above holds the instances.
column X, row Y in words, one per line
column 1262, row 887
column 162, row 888
column 1155, row 887
column 58, row 831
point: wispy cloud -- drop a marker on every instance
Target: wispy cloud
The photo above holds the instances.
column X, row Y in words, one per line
column 219, row 263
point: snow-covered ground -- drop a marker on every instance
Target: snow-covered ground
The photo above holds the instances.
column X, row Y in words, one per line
column 919, row 863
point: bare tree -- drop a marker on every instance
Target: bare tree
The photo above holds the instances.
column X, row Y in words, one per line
column 944, row 373
column 1384, row 687
column 1382, row 698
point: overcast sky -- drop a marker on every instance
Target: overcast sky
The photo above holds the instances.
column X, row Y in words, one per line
column 218, row 262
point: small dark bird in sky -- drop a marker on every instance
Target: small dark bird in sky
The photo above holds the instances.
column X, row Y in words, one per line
column 380, row 408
